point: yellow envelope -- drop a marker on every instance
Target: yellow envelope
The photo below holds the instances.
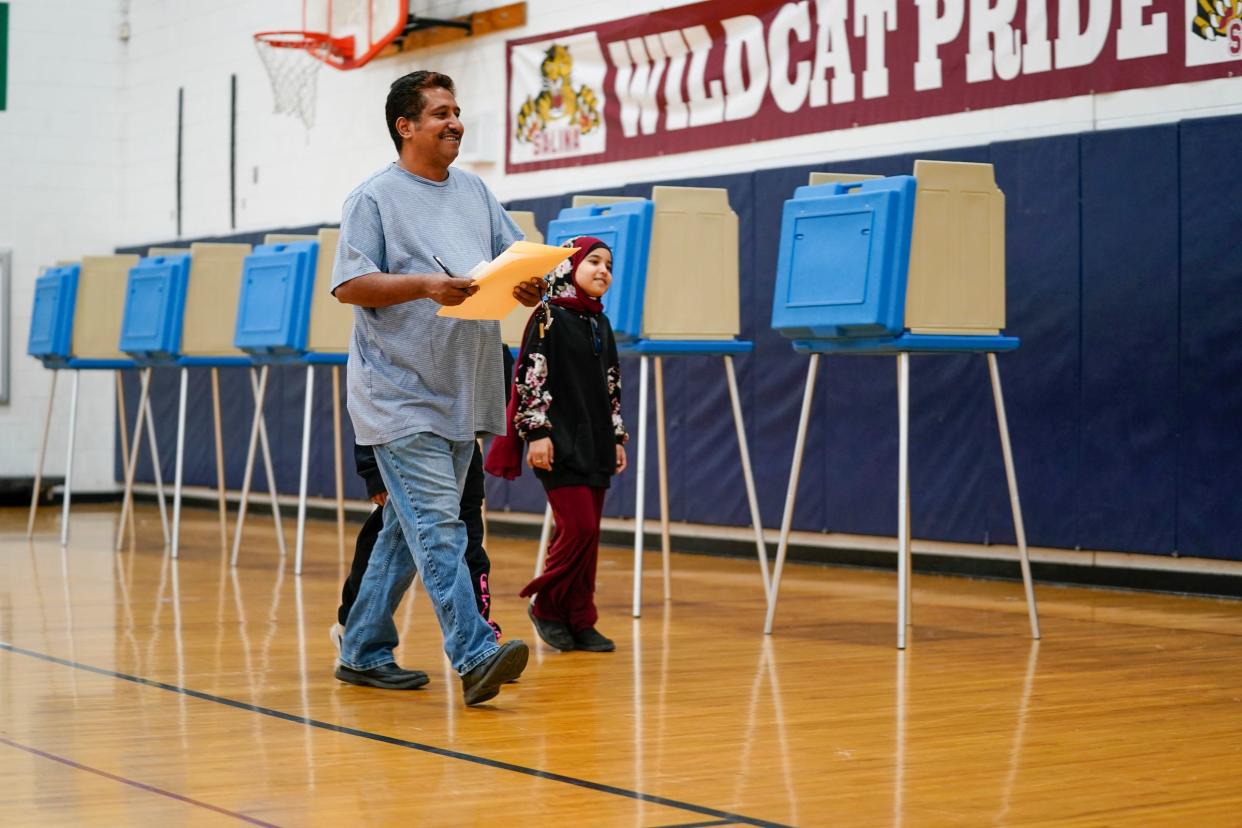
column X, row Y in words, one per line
column 496, row 280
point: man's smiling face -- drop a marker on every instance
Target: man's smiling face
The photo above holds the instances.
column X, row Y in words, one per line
column 436, row 136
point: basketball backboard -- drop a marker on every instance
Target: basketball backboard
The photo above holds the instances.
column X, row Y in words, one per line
column 358, row 29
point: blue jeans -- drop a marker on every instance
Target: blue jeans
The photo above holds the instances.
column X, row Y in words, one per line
column 424, row 474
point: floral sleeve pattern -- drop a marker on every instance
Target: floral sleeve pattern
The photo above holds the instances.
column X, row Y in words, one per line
column 533, row 396
column 614, row 396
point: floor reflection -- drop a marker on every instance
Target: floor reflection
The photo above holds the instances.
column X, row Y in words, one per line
column 1019, row 732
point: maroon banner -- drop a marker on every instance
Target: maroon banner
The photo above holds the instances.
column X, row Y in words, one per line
column 731, row 72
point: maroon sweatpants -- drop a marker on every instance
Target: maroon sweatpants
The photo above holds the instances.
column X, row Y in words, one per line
column 566, row 587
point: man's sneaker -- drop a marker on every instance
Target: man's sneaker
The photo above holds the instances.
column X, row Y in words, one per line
column 484, row 681
column 555, row 634
column 386, row 676
column 336, row 632
column 593, row 641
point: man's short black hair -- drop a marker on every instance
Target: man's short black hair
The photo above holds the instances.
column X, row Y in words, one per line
column 406, row 99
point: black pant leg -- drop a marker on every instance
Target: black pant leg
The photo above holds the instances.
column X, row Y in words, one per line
column 367, row 536
column 472, row 515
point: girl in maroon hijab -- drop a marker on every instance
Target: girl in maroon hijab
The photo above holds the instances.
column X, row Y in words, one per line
column 566, row 405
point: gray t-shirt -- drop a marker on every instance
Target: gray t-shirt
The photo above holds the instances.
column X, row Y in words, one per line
column 411, row 371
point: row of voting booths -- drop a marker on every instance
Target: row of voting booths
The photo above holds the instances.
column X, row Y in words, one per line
column 868, row 265
column 206, row 307
column 889, row 266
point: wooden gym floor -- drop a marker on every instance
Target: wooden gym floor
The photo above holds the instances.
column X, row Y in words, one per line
column 135, row 691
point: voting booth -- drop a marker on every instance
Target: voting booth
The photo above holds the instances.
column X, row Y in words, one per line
column 199, row 325
column 674, row 294
column 151, row 330
column 287, row 314
column 895, row 266
column 270, row 326
column 64, row 334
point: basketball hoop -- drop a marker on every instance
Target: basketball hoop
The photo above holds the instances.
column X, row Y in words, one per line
column 292, row 60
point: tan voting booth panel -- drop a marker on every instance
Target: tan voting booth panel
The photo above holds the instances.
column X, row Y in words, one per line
column 692, row 272
column 513, row 325
column 331, row 322
column 957, row 253
column 100, row 306
column 591, row 200
column 525, row 220
column 287, row 238
column 211, row 299
column 839, row 178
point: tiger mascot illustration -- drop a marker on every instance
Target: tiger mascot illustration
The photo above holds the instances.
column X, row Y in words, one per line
column 558, row 100
column 1212, row 17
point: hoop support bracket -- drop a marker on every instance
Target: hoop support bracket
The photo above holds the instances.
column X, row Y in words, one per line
column 416, row 23
column 421, row 32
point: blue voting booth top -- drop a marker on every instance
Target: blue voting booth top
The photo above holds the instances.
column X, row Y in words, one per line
column 155, row 309
column 843, row 258
column 51, row 319
column 626, row 228
column 273, row 310
column 842, row 270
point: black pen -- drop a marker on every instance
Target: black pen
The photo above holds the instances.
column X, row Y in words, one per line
column 444, row 267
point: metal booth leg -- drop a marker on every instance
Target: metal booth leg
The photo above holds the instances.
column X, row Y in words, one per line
column 180, row 463
column 222, row 504
column 791, row 494
column 38, row 480
column 544, row 535
column 144, row 383
column 340, row 475
column 269, row 470
column 640, row 487
column 153, row 446
column 123, row 422
column 903, row 496
column 73, row 427
column 752, row 499
column 662, row 458
column 1032, row 610
column 306, row 431
column 259, row 390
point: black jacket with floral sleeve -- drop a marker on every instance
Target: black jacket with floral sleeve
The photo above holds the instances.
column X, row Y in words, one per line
column 569, row 389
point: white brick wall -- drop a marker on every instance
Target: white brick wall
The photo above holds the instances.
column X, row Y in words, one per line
column 60, row 145
column 87, row 146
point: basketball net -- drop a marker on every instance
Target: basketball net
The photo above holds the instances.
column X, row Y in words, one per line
column 292, row 67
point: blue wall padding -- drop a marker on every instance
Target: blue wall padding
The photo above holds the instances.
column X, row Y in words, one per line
column 1124, row 269
column 1127, row 492
column 1040, row 379
column 1210, row 417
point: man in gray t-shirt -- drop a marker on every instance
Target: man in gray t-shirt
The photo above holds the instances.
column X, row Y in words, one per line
column 422, row 387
